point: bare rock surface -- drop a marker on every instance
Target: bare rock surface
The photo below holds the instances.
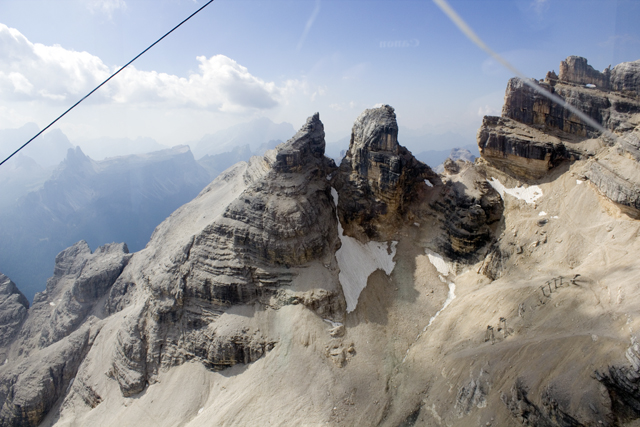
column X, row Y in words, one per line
column 378, row 178
column 471, row 210
column 535, row 135
column 625, row 78
column 54, row 335
column 80, row 279
column 13, row 310
column 575, row 69
column 277, row 215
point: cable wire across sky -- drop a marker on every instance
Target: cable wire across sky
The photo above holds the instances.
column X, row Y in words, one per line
column 109, row 78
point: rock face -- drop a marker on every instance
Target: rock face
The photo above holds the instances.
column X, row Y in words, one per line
column 522, row 150
column 517, row 301
column 471, row 210
column 625, row 78
column 51, row 339
column 13, row 310
column 244, row 256
column 535, row 135
column 575, row 69
column 378, row 178
column 80, row 279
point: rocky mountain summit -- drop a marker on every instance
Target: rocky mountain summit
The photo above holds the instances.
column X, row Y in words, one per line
column 294, row 291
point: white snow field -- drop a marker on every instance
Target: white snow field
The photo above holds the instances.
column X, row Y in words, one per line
column 357, row 261
column 528, row 194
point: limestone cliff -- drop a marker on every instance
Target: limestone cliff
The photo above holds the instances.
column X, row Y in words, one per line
column 244, row 255
column 535, row 135
column 378, row 178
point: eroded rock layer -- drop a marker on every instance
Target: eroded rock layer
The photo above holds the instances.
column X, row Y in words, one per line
column 378, row 178
column 535, row 134
column 243, row 256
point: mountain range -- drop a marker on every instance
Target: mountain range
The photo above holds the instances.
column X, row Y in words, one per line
column 375, row 292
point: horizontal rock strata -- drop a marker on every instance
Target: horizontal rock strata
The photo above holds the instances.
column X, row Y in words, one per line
column 378, row 178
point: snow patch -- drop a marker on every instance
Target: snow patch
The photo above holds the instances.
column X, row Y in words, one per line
column 450, row 297
column 52, row 304
column 555, row 217
column 579, row 181
column 200, row 411
column 438, row 262
column 426, row 181
column 529, row 194
column 542, row 213
column 357, row 261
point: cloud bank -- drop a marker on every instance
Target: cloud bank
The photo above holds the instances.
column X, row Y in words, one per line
column 53, row 74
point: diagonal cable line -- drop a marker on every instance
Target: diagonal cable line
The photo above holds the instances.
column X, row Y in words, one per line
column 104, row 82
column 471, row 35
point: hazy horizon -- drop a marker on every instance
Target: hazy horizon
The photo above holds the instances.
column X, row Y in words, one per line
column 237, row 61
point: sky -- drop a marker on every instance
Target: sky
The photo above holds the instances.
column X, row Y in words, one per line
column 238, row 60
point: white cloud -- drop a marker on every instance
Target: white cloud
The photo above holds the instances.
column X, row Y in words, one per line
column 539, row 7
column 31, row 71
column 106, row 6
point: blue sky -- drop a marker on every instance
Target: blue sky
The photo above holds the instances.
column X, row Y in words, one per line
column 242, row 59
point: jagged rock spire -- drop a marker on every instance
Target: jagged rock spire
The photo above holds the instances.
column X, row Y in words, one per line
column 378, row 177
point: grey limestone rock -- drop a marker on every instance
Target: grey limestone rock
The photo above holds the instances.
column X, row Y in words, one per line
column 80, row 279
column 623, row 191
column 283, row 219
column 625, row 78
column 29, row 389
column 535, row 134
column 54, row 334
column 378, row 178
column 13, row 310
column 575, row 69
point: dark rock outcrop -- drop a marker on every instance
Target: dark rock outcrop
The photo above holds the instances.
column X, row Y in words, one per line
column 524, row 151
column 623, row 385
column 13, row 310
column 527, row 106
column 378, row 178
column 471, row 209
column 549, row 414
